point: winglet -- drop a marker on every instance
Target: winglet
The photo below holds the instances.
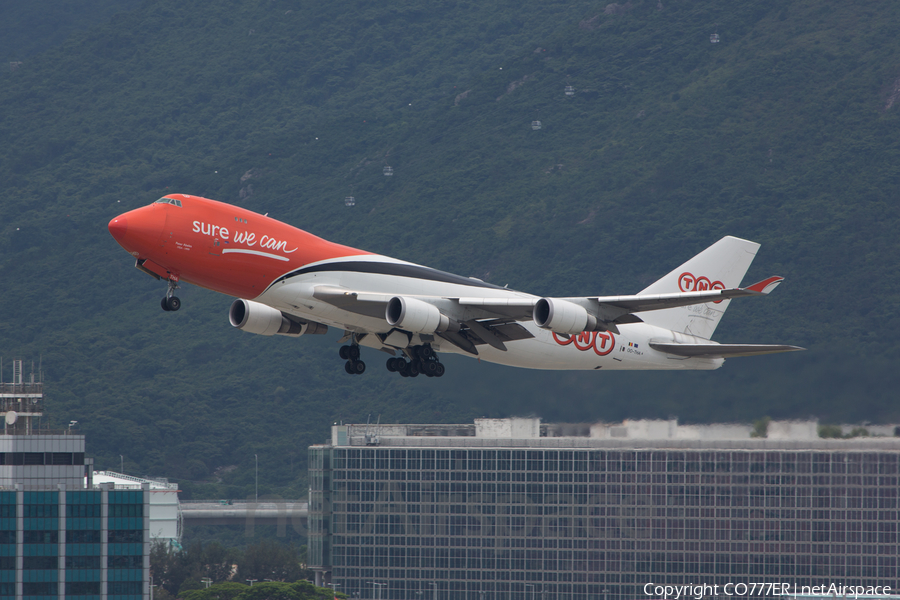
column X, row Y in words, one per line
column 766, row 285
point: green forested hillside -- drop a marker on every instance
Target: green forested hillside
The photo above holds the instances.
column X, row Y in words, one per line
column 27, row 28
column 785, row 133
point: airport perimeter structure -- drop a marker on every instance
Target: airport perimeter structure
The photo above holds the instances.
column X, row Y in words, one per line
column 513, row 509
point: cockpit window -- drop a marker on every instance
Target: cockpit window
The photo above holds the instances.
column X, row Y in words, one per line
column 169, row 201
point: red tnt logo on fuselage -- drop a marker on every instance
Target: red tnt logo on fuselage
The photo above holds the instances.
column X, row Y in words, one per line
column 602, row 342
column 687, row 282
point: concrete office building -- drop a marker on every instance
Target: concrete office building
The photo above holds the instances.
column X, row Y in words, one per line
column 59, row 536
column 517, row 509
column 165, row 517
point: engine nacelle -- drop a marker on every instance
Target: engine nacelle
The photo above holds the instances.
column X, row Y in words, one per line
column 254, row 317
column 412, row 314
column 562, row 316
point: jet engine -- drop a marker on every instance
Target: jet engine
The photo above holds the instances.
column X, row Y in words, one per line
column 258, row 318
column 562, row 316
column 412, row 314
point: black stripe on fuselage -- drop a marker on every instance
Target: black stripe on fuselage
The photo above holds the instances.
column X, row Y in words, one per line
column 386, row 268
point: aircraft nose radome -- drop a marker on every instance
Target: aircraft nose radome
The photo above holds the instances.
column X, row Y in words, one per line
column 118, row 227
column 139, row 230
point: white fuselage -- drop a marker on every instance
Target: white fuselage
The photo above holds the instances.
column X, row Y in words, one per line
column 628, row 349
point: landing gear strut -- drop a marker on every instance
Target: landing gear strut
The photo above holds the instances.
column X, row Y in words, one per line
column 353, row 366
column 422, row 360
column 170, row 301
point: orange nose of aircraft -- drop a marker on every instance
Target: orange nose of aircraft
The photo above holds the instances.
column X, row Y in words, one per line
column 118, row 227
column 139, row 230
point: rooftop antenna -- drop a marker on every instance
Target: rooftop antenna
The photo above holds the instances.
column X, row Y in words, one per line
column 371, row 439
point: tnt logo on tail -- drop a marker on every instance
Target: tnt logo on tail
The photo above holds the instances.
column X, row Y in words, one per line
column 687, row 282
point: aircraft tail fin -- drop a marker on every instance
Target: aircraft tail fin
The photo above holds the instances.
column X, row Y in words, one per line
column 721, row 266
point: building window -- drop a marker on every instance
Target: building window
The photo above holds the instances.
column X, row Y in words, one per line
column 125, row 562
column 82, row 537
column 41, row 537
column 44, row 563
column 83, row 588
column 125, row 536
column 124, row 588
column 126, row 510
column 41, row 510
column 40, row 589
column 83, row 510
column 82, row 562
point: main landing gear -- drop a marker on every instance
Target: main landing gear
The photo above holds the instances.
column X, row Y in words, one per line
column 170, row 301
column 353, row 366
column 422, row 360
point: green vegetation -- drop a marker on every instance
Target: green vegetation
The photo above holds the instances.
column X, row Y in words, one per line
column 835, row 431
column 178, row 572
column 761, row 428
column 273, row 590
column 783, row 133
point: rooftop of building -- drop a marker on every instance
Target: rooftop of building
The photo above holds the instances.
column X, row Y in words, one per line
column 121, row 481
column 643, row 433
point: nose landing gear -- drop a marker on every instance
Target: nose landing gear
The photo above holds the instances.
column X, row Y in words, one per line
column 422, row 360
column 170, row 301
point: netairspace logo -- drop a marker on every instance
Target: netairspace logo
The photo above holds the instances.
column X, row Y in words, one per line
column 699, row 591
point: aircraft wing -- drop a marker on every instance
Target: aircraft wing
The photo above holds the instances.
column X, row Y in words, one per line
column 645, row 302
column 486, row 322
column 611, row 309
column 373, row 305
column 721, row 350
column 617, row 308
column 361, row 303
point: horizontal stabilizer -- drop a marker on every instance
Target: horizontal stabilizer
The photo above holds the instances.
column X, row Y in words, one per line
column 721, row 350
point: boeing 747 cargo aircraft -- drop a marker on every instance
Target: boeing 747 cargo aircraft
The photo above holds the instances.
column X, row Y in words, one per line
column 290, row 282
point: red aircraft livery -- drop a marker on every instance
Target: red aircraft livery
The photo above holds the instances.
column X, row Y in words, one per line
column 287, row 281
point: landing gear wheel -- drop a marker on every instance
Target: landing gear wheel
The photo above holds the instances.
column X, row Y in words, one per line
column 392, row 365
column 413, row 369
column 426, row 352
column 344, row 352
column 431, row 368
column 440, row 370
column 170, row 302
column 355, row 367
column 353, row 352
column 348, row 368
